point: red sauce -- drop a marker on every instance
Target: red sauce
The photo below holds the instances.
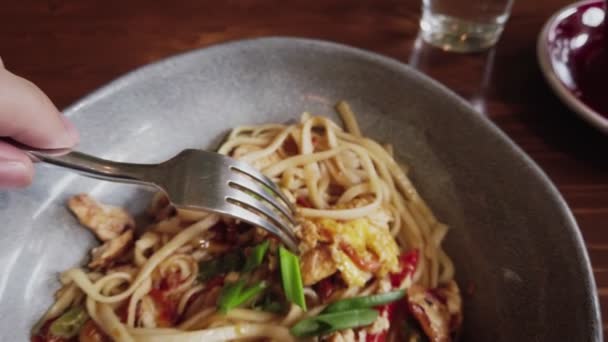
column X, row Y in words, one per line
column 217, row 281
column 409, row 263
column 303, row 202
column 325, row 288
column 44, row 334
column 435, row 293
column 167, row 309
column 123, row 312
column 290, row 147
column 171, row 281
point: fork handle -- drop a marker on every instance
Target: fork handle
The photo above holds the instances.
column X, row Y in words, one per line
column 87, row 164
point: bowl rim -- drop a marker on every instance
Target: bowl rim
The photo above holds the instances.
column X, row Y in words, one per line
column 542, row 52
column 391, row 63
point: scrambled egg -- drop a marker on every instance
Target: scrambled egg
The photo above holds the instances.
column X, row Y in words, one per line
column 370, row 243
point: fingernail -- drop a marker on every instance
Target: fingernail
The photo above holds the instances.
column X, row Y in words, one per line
column 70, row 129
column 14, row 174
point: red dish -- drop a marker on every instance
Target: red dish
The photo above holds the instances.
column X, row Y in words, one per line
column 573, row 54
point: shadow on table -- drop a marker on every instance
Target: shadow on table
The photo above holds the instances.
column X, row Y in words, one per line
column 518, row 78
column 506, row 82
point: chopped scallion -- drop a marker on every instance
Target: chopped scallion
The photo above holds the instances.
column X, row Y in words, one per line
column 291, row 277
column 330, row 322
column 235, row 294
column 364, row 302
column 229, row 296
column 68, row 325
column 257, row 256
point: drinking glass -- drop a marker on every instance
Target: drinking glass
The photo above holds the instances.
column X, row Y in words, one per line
column 463, row 25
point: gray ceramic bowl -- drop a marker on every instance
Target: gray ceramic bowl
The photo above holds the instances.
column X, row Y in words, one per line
column 513, row 239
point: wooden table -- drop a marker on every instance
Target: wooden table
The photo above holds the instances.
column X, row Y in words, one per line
column 69, row 48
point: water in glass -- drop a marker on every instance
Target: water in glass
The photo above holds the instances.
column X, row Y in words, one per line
column 463, row 25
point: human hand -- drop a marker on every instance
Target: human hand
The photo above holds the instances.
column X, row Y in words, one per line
column 28, row 116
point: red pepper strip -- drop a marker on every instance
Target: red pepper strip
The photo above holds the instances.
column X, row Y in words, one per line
column 390, row 312
column 409, row 262
column 366, row 265
column 166, row 307
column 381, row 337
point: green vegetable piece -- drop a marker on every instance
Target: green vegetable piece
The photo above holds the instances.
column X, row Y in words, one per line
column 256, row 257
column 229, row 295
column 234, row 295
column 364, row 302
column 251, row 292
column 330, row 322
column 291, row 277
column 68, row 325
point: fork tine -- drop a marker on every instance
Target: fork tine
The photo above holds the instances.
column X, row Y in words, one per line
column 242, row 182
column 246, row 213
column 250, row 171
column 254, row 205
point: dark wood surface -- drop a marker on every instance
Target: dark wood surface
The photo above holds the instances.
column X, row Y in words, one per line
column 69, row 48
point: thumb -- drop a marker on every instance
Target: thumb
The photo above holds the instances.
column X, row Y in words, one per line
column 16, row 169
column 28, row 116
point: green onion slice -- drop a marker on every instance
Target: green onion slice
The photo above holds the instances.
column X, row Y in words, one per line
column 68, row 325
column 235, row 294
column 229, row 296
column 257, row 256
column 330, row 322
column 251, row 292
column 291, row 277
column 364, row 302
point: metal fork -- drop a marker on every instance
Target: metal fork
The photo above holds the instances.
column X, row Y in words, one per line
column 193, row 180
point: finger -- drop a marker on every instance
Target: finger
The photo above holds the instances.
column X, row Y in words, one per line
column 16, row 169
column 1, row 63
column 27, row 115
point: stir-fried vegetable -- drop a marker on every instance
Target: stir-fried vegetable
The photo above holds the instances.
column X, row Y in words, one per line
column 364, row 302
column 68, row 325
column 235, row 294
column 228, row 262
column 291, row 277
column 330, row 322
column 257, row 256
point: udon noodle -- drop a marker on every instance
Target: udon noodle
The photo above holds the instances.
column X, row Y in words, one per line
column 364, row 233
